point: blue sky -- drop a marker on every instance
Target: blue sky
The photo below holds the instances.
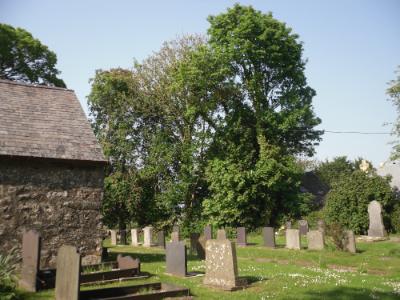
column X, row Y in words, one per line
column 352, row 47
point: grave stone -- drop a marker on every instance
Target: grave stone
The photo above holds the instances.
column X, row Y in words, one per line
column 161, row 239
column 127, row 262
column 269, row 237
column 303, row 227
column 175, row 236
column 175, row 256
column 221, row 265
column 221, row 234
column 194, row 240
column 321, row 226
column 288, row 225
column 315, row 239
column 350, row 242
column 68, row 273
column 241, row 236
column 30, row 260
column 293, row 239
column 113, row 237
column 148, row 236
column 208, row 232
column 376, row 227
column 135, row 237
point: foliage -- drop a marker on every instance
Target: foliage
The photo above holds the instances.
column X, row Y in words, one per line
column 347, row 201
column 395, row 218
column 24, row 58
column 394, row 93
column 313, row 217
column 337, row 234
column 331, row 171
column 8, row 279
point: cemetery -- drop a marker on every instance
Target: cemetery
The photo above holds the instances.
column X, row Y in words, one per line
column 194, row 173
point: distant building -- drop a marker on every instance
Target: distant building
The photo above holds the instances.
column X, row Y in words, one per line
column 51, row 170
column 391, row 168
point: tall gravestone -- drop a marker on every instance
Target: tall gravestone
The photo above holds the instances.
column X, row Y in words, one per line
column 376, row 227
column 268, row 237
column 241, row 236
column 161, row 239
column 293, row 239
column 148, row 236
column 135, row 237
column 113, row 237
column 221, row 265
column 350, row 242
column 68, row 273
column 176, row 259
column 30, row 260
column 208, row 232
column 221, row 234
column 303, row 227
column 175, row 236
column 315, row 239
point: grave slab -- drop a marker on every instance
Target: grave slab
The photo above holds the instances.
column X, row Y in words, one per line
column 269, row 237
column 68, row 273
column 376, row 227
column 315, row 239
column 293, row 239
column 30, row 260
column 175, row 256
column 241, row 236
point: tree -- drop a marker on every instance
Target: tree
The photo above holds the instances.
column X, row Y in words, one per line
column 24, row 58
column 394, row 93
column 331, row 171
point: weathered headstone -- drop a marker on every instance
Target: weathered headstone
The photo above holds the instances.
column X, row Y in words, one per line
column 30, row 260
column 148, row 236
column 127, row 262
column 175, row 236
column 376, row 227
column 175, row 256
column 221, row 234
column 303, row 227
column 161, row 239
column 208, row 232
column 288, row 225
column 68, row 273
column 122, row 237
column 269, row 237
column 350, row 241
column 321, row 226
column 194, row 240
column 113, row 237
column 135, row 237
column 221, row 265
column 241, row 236
column 315, row 239
column 293, row 239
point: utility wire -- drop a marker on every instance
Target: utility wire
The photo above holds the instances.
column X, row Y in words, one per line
column 356, row 132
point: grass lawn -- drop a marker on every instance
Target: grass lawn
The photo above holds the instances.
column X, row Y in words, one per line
column 373, row 273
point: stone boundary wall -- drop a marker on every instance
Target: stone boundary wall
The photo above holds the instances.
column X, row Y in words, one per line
column 60, row 199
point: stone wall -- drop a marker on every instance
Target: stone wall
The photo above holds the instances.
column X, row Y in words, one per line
column 60, row 199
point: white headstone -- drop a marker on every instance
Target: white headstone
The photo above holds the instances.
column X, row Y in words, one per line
column 376, row 227
column 135, row 237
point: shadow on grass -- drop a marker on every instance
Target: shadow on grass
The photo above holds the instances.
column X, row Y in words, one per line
column 144, row 257
column 351, row 293
column 253, row 279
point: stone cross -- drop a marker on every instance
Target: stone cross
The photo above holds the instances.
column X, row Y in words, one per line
column 208, row 232
column 315, row 239
column 376, row 227
column 293, row 239
column 113, row 237
column 161, row 239
column 68, row 273
column 135, row 237
column 268, row 237
column 303, row 227
column 350, row 242
column 175, row 236
column 175, row 256
column 221, row 265
column 221, row 234
column 148, row 236
column 30, row 260
column 241, row 236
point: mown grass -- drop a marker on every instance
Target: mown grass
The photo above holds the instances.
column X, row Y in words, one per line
column 372, row 273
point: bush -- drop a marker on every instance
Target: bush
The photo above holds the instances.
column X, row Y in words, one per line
column 8, row 280
column 347, row 201
column 338, row 235
column 313, row 217
column 395, row 219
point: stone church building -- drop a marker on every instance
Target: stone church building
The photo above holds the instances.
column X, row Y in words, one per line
column 51, row 170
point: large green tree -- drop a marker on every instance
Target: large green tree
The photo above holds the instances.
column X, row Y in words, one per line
column 394, row 93
column 24, row 58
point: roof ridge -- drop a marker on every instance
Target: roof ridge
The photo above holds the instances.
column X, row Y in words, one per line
column 6, row 81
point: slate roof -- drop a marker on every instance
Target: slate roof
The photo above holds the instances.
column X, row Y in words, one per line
column 45, row 122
